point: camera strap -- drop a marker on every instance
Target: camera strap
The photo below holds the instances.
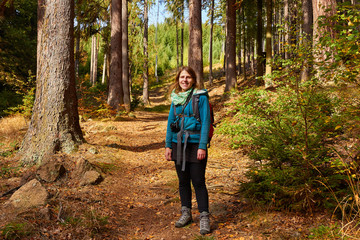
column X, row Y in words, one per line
column 181, row 152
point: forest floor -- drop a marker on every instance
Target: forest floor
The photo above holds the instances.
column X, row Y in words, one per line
column 139, row 197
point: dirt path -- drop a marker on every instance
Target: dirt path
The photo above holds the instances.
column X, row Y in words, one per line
column 139, row 199
column 140, row 192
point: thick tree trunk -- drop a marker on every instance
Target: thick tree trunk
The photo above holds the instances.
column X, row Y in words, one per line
column 259, row 48
column 231, row 46
column 54, row 123
column 195, row 56
column 268, row 43
column 115, row 95
column 146, row 99
column 125, row 56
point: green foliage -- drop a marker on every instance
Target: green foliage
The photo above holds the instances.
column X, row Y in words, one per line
column 25, row 109
column 341, row 41
column 7, row 171
column 15, row 230
column 18, row 41
column 90, row 219
column 8, row 98
column 296, row 132
column 288, row 132
column 92, row 100
column 325, row 232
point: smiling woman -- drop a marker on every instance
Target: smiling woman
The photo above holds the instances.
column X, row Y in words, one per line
column 186, row 145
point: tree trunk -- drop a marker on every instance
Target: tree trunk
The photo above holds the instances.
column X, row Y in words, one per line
column 77, row 51
column 268, row 43
column 211, row 41
column 94, row 60
column 104, row 70
column 156, row 34
column 244, row 43
column 115, row 95
column 230, row 46
column 146, row 99
column 259, row 48
column 287, row 30
column 307, row 37
column 239, row 29
column 177, row 45
column 182, row 34
column 54, row 124
column 276, row 41
column 125, row 56
column 322, row 8
column 195, row 56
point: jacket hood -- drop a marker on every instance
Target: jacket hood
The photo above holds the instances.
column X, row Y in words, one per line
column 201, row 92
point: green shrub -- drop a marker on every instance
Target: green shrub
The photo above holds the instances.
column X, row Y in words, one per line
column 15, row 230
column 289, row 133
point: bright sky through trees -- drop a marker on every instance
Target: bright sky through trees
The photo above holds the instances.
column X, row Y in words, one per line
column 163, row 14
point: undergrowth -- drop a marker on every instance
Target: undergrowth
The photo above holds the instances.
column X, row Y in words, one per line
column 303, row 135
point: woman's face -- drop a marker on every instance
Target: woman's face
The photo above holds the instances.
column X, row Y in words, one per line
column 185, row 81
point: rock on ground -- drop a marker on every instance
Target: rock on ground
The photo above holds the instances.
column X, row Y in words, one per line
column 32, row 194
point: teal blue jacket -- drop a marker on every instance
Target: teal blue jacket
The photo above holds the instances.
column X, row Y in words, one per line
column 190, row 122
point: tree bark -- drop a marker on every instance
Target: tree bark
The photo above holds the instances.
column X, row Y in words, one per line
column 307, row 37
column 195, row 56
column 287, row 30
column 268, row 43
column 115, row 95
column 259, row 48
column 211, row 41
column 230, row 46
column 104, row 69
column 239, row 43
column 77, row 51
column 94, row 60
column 54, row 124
column 146, row 99
column 125, row 56
column 244, row 43
column 182, row 34
column 321, row 8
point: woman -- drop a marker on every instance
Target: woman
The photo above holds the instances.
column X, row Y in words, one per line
column 186, row 145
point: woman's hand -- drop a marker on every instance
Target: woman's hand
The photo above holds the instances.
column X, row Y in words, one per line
column 201, row 154
column 168, row 154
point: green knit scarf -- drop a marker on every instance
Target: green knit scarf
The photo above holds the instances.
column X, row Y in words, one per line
column 179, row 98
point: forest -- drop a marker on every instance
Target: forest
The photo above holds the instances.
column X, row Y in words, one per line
column 84, row 100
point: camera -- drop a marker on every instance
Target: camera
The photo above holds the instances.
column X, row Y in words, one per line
column 175, row 127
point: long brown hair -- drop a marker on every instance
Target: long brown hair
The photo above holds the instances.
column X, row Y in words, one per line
column 192, row 73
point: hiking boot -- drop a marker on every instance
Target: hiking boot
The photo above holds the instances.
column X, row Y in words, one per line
column 185, row 218
column 204, row 223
